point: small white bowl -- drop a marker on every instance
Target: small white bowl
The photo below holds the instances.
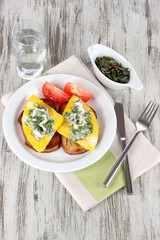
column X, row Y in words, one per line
column 99, row 50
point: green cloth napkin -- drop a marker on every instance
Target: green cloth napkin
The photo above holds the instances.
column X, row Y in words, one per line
column 92, row 177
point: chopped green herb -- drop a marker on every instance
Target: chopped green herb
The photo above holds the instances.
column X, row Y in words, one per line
column 80, row 120
column 48, row 124
column 30, row 112
column 40, row 120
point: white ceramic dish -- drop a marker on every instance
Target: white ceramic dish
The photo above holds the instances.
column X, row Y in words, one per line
column 58, row 161
column 99, row 50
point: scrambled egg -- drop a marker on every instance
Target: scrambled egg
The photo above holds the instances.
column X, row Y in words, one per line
column 39, row 145
column 89, row 142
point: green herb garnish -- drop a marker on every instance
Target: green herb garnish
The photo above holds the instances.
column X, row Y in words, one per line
column 39, row 119
column 80, row 120
column 112, row 69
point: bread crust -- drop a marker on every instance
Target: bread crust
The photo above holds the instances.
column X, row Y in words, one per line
column 54, row 143
column 71, row 147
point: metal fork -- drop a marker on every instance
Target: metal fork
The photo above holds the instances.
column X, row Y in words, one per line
column 142, row 124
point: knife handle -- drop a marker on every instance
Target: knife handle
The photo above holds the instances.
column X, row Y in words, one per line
column 119, row 162
column 128, row 177
column 127, row 171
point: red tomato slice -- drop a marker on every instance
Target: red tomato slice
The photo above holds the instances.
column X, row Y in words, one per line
column 55, row 94
column 73, row 89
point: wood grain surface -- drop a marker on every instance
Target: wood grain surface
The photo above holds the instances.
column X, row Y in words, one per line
column 34, row 204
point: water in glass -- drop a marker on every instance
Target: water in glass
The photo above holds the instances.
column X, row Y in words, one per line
column 29, row 51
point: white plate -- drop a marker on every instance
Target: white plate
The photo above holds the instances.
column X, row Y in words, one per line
column 58, row 161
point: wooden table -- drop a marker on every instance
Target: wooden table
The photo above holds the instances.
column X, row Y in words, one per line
column 33, row 203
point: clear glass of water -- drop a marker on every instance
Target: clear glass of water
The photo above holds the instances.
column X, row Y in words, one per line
column 29, row 48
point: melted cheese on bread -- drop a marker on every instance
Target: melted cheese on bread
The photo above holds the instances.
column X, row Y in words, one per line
column 89, row 142
column 39, row 145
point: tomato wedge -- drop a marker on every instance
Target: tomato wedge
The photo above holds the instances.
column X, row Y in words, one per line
column 73, row 89
column 55, row 94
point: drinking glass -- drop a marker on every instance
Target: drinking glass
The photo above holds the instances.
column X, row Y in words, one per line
column 29, row 49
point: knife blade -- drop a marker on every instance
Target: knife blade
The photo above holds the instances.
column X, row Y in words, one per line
column 121, row 129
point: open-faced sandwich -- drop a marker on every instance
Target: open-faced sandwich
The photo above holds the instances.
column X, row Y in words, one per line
column 39, row 122
column 79, row 129
column 75, row 124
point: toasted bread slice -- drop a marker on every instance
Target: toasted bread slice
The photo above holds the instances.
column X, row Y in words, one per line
column 68, row 145
column 55, row 140
column 71, row 147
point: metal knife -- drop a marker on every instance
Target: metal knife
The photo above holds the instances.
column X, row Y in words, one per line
column 121, row 129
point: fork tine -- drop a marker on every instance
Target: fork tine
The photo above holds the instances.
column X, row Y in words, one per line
column 150, row 110
column 145, row 109
column 154, row 113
